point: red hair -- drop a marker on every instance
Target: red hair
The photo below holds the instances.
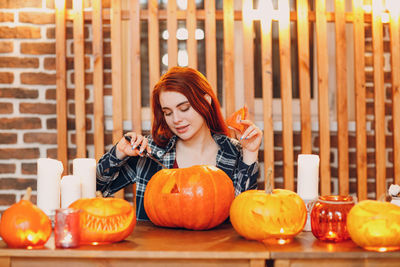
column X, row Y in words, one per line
column 194, row 86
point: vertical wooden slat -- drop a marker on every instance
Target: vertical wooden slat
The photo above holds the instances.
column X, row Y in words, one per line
column 136, row 93
column 395, row 56
column 116, row 74
column 79, row 79
column 341, row 97
column 304, row 74
column 172, row 41
column 266, row 65
column 229, row 58
column 248, row 56
column 359, row 90
column 154, row 47
column 379, row 101
column 323, row 104
column 191, row 27
column 286, row 93
column 211, row 43
column 61, row 93
column 97, row 22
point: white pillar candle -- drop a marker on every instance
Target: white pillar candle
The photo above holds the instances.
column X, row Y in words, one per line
column 48, row 184
column 70, row 190
column 86, row 170
column 307, row 176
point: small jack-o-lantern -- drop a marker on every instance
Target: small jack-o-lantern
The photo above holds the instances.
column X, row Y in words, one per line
column 272, row 217
column 104, row 220
column 233, row 120
column 196, row 198
column 375, row 225
column 24, row 225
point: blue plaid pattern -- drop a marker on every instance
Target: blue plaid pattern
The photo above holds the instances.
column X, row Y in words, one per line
column 114, row 174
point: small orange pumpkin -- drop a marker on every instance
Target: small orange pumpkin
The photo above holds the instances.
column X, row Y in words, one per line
column 104, row 220
column 24, row 225
column 375, row 225
column 272, row 216
column 233, row 122
column 196, row 198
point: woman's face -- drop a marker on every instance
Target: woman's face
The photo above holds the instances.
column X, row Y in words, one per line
column 180, row 116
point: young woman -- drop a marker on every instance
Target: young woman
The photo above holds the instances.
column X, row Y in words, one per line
column 188, row 129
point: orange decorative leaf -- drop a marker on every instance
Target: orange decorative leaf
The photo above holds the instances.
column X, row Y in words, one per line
column 233, row 121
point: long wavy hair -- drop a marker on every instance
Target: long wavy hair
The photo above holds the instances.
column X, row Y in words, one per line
column 192, row 84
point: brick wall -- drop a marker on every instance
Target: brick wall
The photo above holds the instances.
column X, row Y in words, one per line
column 28, row 105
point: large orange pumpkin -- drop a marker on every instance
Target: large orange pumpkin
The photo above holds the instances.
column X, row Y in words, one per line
column 104, row 220
column 196, row 198
column 24, row 225
column 375, row 225
column 272, row 217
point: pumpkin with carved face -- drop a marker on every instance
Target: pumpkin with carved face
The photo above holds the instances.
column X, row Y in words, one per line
column 197, row 198
column 24, row 225
column 277, row 216
column 104, row 220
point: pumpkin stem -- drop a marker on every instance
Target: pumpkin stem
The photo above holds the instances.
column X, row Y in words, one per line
column 27, row 195
column 99, row 194
column 268, row 186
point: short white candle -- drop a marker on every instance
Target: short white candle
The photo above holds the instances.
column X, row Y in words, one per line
column 307, row 176
column 86, row 170
column 70, row 190
column 49, row 173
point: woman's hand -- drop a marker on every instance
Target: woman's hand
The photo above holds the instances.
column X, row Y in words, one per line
column 250, row 140
column 134, row 148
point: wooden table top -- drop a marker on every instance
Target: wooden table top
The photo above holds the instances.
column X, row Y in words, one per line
column 149, row 241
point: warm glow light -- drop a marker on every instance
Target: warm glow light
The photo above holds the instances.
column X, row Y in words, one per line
column 385, row 17
column 60, row 4
column 281, row 241
column 95, row 243
column 382, row 249
column 183, row 58
column 281, row 230
column 367, row 8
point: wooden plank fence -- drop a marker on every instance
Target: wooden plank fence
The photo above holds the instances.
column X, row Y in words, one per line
column 303, row 15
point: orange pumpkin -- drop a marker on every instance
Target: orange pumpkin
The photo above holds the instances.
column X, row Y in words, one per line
column 24, row 225
column 104, row 220
column 375, row 225
column 233, row 120
column 196, row 198
column 271, row 217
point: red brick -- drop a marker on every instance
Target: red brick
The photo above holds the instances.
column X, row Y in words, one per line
column 6, row 77
column 19, row 93
column 20, row 123
column 7, row 168
column 6, row 108
column 37, row 17
column 50, row 63
column 6, row 17
column 38, row 78
column 51, row 153
column 51, row 94
column 16, row 62
column 42, row 138
column 20, row 3
column 20, row 32
column 88, row 108
column 7, row 199
column 71, row 125
column 38, row 48
column 17, row 184
column 6, row 47
column 19, row 153
column 8, row 138
column 29, row 168
column 51, row 123
column 37, row 108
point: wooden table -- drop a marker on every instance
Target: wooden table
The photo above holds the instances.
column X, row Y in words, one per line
column 153, row 246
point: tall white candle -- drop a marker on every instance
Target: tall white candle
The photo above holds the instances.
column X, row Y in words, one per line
column 86, row 170
column 48, row 184
column 70, row 190
column 307, row 176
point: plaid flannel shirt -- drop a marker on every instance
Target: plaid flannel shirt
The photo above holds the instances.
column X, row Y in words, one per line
column 114, row 174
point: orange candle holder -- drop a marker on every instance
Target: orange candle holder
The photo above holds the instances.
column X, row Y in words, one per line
column 329, row 217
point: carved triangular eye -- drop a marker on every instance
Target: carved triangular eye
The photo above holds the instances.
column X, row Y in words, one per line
column 175, row 189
